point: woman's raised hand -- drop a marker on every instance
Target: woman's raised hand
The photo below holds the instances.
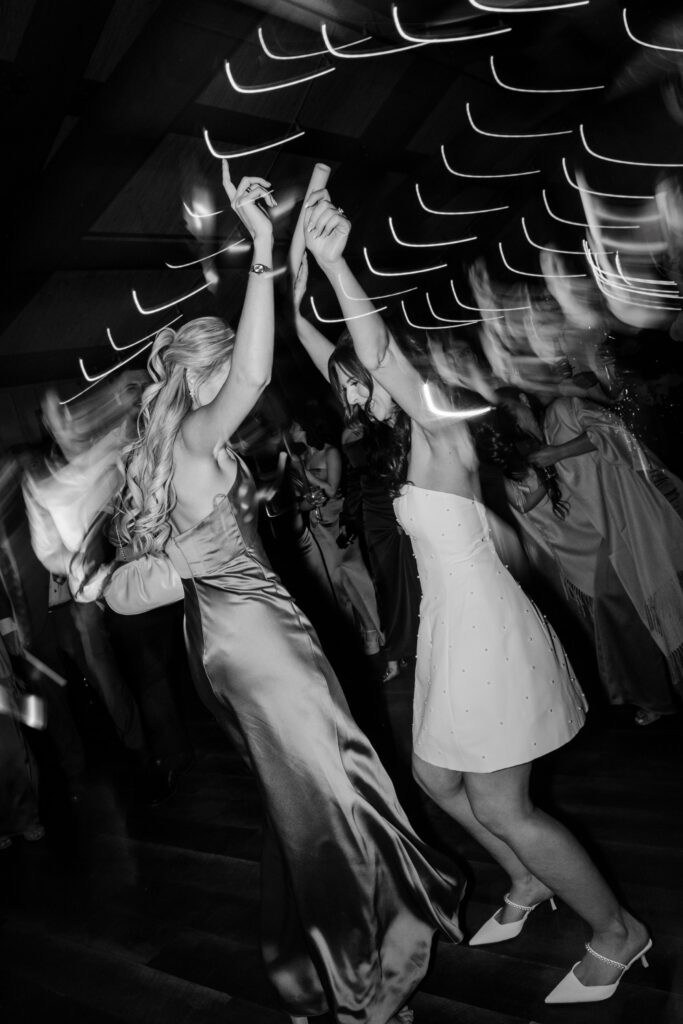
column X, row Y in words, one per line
column 244, row 201
column 326, row 227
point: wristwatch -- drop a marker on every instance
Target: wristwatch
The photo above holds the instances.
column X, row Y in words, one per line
column 259, row 268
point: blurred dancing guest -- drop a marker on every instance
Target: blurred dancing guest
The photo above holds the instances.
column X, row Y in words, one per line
column 351, row 896
column 390, row 555
column 493, row 689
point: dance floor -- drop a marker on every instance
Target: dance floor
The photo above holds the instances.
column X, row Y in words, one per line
column 150, row 916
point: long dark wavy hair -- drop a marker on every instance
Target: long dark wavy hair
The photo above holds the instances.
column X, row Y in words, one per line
column 387, row 444
column 501, row 442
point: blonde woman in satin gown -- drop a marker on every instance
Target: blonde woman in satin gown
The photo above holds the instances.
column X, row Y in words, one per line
column 351, row 897
column 493, row 687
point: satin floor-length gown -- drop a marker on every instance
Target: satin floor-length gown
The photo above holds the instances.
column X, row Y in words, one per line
column 351, row 897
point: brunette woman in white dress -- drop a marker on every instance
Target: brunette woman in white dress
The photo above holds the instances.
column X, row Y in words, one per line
column 493, row 690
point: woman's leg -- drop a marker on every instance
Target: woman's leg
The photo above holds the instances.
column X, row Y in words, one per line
column 501, row 803
column 447, row 789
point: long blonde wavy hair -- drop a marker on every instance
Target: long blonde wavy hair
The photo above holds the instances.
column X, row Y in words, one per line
column 200, row 347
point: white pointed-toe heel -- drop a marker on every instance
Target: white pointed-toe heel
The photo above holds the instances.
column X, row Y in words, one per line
column 493, row 931
column 571, row 990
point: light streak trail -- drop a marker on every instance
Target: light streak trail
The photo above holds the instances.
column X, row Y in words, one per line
column 544, row 248
column 167, row 305
column 485, row 309
column 514, row 88
column 372, row 298
column 426, row 245
column 614, row 160
column 650, row 46
column 454, row 213
column 583, row 224
column 523, row 135
column 370, row 53
column 343, row 319
column 643, row 280
column 527, row 273
column 132, row 344
column 451, row 414
column 604, row 285
column 303, row 56
column 435, row 327
column 234, row 245
column 249, row 152
column 589, row 191
column 456, row 323
column 399, row 273
column 482, row 177
column 199, row 216
column 250, row 90
column 112, row 369
column 526, row 10
column 442, row 39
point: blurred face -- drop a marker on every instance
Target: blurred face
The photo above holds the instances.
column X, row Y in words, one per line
column 522, row 414
column 380, row 405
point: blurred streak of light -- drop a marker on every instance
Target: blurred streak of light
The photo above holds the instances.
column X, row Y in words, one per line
column 167, row 305
column 650, row 46
column 451, row 414
column 343, row 319
column 614, row 160
column 192, row 263
column 604, row 285
column 250, row 90
column 112, row 369
column 152, row 334
column 643, row 280
column 527, row 10
column 610, row 274
column 372, row 298
column 45, row 669
column 79, row 393
column 481, row 177
column 426, row 245
column 522, row 135
column 583, row 224
column 399, row 273
column 370, row 53
column 199, row 216
column 442, row 39
column 455, row 323
column 249, row 152
column 435, row 327
column 603, row 195
column 527, row 273
column 545, row 248
column 513, row 88
column 302, row 56
column 454, row 213
column 484, row 309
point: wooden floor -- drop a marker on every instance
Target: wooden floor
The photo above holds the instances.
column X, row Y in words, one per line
column 149, row 916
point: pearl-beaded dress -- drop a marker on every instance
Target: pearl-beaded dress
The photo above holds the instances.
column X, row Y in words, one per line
column 493, row 685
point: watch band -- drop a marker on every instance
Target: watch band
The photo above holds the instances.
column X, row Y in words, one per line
column 259, row 268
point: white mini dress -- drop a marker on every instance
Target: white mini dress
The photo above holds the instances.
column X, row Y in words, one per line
column 493, row 685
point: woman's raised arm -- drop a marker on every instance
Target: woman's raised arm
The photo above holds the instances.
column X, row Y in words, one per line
column 316, row 344
column 252, row 356
column 327, row 230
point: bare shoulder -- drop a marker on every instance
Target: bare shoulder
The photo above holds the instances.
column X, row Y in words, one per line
column 198, row 481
